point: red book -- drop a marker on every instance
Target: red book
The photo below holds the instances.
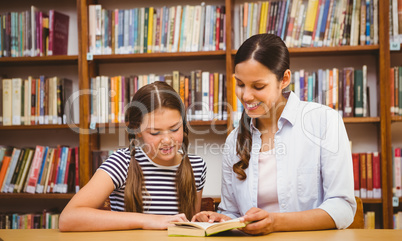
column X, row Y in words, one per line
column 363, row 175
column 4, row 167
column 369, row 164
column 356, row 173
column 58, row 33
column 77, row 170
column 218, row 27
column 376, row 175
column 34, row 170
column 55, row 170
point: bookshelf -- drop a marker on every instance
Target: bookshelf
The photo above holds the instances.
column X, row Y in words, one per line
column 76, row 66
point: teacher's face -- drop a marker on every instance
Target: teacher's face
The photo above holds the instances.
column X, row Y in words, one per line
column 258, row 89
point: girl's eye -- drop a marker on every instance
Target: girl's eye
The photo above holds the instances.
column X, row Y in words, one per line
column 174, row 130
column 155, row 133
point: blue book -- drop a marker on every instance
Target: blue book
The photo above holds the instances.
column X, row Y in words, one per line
column 324, row 20
column 131, row 31
column 213, row 28
column 301, row 86
column 317, row 31
column 120, row 36
column 135, row 33
column 284, row 20
column 368, row 17
column 320, row 90
column 310, row 88
column 41, row 169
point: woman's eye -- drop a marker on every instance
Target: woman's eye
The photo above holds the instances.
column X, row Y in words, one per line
column 240, row 84
column 154, row 133
column 259, row 87
column 174, row 130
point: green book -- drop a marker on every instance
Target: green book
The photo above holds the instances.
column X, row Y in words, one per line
column 358, row 86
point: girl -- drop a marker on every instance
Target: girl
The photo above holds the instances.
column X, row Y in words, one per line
column 288, row 165
column 151, row 183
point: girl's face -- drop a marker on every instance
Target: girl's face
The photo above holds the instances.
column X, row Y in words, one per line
column 258, row 88
column 162, row 136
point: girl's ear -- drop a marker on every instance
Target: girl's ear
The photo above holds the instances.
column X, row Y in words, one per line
column 287, row 76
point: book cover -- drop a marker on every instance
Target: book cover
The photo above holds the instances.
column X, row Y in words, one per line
column 203, row 228
column 358, row 93
column 376, row 175
column 356, row 173
column 369, row 160
column 4, row 168
column 58, row 33
column 20, row 183
column 34, row 170
column 363, row 175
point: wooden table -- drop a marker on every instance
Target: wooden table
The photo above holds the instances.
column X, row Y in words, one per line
column 328, row 235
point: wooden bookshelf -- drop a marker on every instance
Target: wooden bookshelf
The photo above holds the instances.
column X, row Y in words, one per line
column 148, row 57
column 44, row 60
column 372, row 200
column 66, row 196
column 89, row 68
column 35, row 127
column 358, row 120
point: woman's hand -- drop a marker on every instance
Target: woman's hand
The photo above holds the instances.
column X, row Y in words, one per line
column 262, row 222
column 162, row 221
column 208, row 216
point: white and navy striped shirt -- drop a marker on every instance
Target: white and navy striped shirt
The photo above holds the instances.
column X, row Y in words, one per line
column 159, row 181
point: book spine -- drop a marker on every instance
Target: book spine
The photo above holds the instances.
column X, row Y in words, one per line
column 356, row 173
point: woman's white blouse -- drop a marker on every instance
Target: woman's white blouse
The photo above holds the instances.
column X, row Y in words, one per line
column 314, row 165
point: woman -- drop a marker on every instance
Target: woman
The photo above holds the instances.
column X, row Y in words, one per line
column 288, row 165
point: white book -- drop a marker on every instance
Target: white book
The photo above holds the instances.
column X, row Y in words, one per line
column 397, row 173
column 7, row 101
column 334, row 87
column 126, row 31
column 202, row 28
column 98, row 107
column 205, row 96
column 196, row 28
column 220, row 97
column 16, row 102
column 207, row 27
column 177, row 29
column 365, row 110
column 236, row 26
column 27, row 103
column 103, row 99
column 189, row 28
column 395, row 28
column 92, row 28
column 375, row 17
column 98, row 29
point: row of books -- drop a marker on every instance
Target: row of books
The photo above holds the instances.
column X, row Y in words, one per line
column 367, row 174
column 311, row 23
column 33, row 33
column 39, row 170
column 202, row 92
column 33, row 101
column 395, row 20
column 344, row 90
column 44, row 220
column 151, row 29
column 397, row 220
column 369, row 220
column 397, row 169
column 395, row 78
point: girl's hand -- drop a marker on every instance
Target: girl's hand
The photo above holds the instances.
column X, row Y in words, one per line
column 208, row 216
column 162, row 221
column 262, row 222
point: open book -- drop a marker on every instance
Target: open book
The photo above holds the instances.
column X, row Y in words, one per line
column 203, row 228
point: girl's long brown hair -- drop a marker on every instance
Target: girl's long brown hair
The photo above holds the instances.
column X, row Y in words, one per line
column 270, row 51
column 147, row 99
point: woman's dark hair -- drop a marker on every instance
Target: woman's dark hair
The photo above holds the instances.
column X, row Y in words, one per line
column 270, row 51
column 146, row 100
